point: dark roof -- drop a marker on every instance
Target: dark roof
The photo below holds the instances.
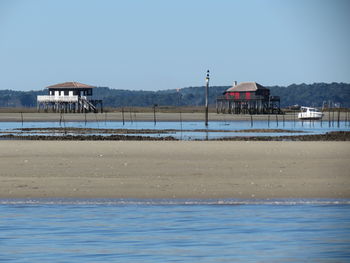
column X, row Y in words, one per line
column 70, row 85
column 246, row 86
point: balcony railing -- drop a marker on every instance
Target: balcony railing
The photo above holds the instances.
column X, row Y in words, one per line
column 252, row 97
column 48, row 98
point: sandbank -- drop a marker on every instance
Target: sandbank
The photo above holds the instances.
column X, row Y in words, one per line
column 174, row 169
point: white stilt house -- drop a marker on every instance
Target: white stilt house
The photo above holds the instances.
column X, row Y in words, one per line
column 69, row 97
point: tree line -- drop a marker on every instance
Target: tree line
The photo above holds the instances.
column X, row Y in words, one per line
column 300, row 94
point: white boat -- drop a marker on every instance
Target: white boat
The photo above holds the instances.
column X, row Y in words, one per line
column 308, row 113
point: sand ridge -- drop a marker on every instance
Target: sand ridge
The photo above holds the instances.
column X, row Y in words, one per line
column 175, row 169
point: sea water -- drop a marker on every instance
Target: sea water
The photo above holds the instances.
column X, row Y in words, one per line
column 189, row 130
column 98, row 230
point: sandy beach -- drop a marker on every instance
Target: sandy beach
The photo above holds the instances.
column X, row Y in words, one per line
column 182, row 169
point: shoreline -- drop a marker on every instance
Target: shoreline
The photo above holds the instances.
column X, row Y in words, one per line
column 175, row 201
column 174, row 170
column 328, row 136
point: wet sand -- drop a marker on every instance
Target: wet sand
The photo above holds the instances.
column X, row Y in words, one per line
column 174, row 169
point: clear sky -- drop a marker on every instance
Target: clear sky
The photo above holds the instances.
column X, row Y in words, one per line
column 163, row 44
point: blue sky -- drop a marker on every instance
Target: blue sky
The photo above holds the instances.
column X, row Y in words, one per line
column 160, row 44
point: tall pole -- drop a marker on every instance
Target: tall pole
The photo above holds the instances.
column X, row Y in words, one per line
column 154, row 114
column 206, row 98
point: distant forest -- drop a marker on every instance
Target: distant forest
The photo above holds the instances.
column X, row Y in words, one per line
column 300, row 94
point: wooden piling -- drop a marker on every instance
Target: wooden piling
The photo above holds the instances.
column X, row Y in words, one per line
column 123, row 116
column 294, row 117
column 64, row 124
column 181, row 121
column 130, row 116
column 22, row 118
column 98, row 125
column 154, row 114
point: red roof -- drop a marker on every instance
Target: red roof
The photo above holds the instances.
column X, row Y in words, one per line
column 70, row 85
column 245, row 86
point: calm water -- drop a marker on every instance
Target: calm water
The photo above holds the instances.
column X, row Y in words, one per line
column 174, row 231
column 310, row 127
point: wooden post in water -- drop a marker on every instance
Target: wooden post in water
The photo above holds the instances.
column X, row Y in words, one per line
column 251, row 120
column 338, row 121
column 268, row 120
column 22, row 118
column 65, row 128
column 98, row 126
column 64, row 124
column 130, row 116
column 123, row 116
column 181, row 120
column 178, row 104
column 283, row 120
column 294, row 117
column 329, row 117
column 154, row 114
column 276, row 120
